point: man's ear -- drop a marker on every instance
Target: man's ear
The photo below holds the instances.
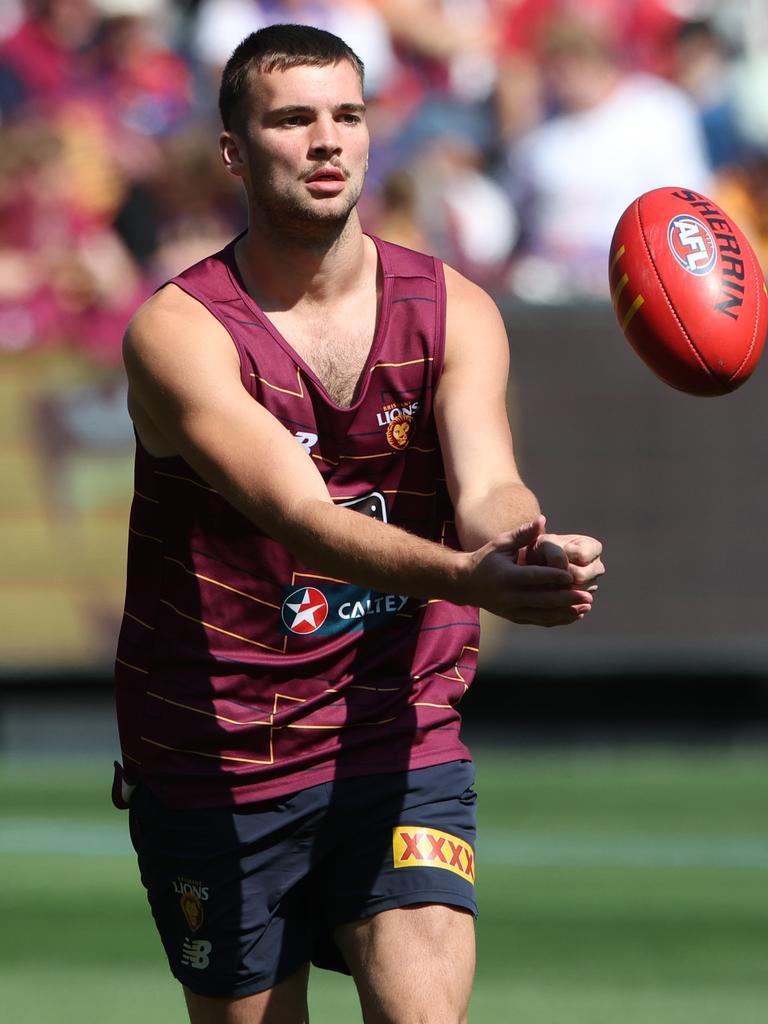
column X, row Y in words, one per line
column 230, row 146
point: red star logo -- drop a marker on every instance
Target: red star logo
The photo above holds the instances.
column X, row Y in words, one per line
column 305, row 610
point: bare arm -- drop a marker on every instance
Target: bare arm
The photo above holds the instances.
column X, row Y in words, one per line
column 187, row 399
column 476, row 441
column 425, row 27
column 471, row 412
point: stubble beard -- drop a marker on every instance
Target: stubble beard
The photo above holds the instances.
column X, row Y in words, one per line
column 313, row 224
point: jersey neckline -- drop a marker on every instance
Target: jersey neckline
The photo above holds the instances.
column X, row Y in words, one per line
column 264, row 321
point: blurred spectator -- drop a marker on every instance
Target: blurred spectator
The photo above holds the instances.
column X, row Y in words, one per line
column 742, row 189
column 196, row 207
column 397, row 218
column 742, row 185
column 68, row 279
column 110, row 179
column 446, row 46
column 11, row 16
column 703, row 67
column 613, row 136
column 221, row 24
column 443, row 82
column 43, row 60
column 148, row 87
column 457, row 211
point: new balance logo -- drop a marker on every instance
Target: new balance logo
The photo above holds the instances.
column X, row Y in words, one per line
column 306, row 439
column 428, row 847
column 195, row 952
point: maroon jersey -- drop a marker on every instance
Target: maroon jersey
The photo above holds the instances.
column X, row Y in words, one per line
column 243, row 673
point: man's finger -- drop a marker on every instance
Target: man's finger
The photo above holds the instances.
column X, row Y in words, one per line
column 547, row 552
column 581, row 550
column 550, row 616
column 534, row 576
column 586, row 574
column 522, row 536
column 560, row 598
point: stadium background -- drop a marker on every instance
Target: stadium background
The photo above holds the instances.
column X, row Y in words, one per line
column 622, row 763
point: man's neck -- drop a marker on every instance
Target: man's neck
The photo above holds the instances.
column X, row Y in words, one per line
column 282, row 272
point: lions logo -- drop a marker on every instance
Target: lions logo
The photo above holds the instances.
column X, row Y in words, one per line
column 399, row 431
column 192, row 909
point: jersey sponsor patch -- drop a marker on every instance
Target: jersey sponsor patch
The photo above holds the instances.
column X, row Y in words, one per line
column 337, row 608
column 417, row 847
column 305, row 610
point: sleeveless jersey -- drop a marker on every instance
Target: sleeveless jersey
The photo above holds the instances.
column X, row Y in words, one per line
column 243, row 674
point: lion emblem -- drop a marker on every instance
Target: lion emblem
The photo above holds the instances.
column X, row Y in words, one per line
column 399, row 431
column 192, row 910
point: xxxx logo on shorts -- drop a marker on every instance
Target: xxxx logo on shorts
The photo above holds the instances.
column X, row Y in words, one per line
column 416, row 847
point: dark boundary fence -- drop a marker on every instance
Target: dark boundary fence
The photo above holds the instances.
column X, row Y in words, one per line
column 527, row 709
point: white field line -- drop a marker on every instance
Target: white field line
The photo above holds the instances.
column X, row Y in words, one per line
column 52, row 835
column 495, row 847
column 622, row 850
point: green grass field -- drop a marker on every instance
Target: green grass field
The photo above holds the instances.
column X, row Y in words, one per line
column 625, row 887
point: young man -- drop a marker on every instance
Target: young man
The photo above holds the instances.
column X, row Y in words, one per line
column 325, row 494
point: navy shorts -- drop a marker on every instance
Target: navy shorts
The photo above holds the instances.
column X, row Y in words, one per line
column 244, row 897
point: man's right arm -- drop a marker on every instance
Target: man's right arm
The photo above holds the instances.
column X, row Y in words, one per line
column 187, row 399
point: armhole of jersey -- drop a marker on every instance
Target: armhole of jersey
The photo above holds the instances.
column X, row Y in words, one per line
column 246, row 378
column 440, row 320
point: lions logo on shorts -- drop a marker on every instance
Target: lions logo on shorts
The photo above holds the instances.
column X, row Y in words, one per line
column 192, row 909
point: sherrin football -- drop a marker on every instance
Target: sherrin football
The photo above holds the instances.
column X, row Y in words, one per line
column 688, row 291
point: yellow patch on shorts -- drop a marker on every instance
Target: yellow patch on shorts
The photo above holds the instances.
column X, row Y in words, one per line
column 416, row 847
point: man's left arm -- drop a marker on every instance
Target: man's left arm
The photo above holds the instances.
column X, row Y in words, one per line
column 488, row 494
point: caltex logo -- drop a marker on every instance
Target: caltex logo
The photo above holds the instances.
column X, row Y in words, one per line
column 304, row 611
column 692, row 244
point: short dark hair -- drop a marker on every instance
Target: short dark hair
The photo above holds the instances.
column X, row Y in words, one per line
column 276, row 48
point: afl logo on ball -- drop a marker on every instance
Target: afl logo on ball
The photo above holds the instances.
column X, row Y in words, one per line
column 692, row 244
column 305, row 610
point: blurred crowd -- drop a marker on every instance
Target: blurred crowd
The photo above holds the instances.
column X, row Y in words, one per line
column 508, row 136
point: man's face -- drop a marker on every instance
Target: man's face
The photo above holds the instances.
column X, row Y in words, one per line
column 303, row 149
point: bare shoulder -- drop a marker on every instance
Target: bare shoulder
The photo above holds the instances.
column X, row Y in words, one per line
column 472, row 314
column 178, row 358
column 171, row 327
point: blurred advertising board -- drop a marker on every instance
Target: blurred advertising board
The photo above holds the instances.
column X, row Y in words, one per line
column 676, row 487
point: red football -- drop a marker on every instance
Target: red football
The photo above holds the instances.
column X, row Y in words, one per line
column 688, row 291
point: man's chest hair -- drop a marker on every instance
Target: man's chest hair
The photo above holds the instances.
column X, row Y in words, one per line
column 335, row 351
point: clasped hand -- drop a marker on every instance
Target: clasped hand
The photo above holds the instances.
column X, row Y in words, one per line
column 537, row 578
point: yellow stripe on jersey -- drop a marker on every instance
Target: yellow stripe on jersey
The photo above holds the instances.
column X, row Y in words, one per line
column 218, row 629
column 285, row 391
